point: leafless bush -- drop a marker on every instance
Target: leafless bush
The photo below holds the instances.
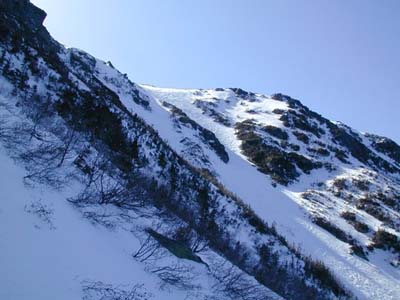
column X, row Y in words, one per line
column 108, row 219
column 41, row 153
column 189, row 237
column 104, row 185
column 97, row 290
column 103, row 219
column 15, row 136
column 42, row 163
column 3, row 131
column 235, row 284
column 42, row 211
column 149, row 249
column 107, row 190
column 177, row 275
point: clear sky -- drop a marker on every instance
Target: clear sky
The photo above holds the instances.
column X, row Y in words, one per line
column 339, row 57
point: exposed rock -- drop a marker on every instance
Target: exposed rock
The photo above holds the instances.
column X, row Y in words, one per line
column 276, row 132
column 281, row 165
column 385, row 146
column 206, row 135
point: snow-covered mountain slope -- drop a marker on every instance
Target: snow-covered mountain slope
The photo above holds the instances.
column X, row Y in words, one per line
column 127, row 191
column 327, row 209
column 48, row 251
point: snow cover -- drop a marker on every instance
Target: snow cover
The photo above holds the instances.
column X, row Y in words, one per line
column 48, row 251
column 368, row 280
column 49, row 257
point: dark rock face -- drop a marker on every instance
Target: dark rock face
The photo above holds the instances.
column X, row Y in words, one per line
column 294, row 119
column 276, row 158
column 360, row 151
column 293, row 103
column 242, row 93
column 301, row 136
column 385, row 146
column 26, row 11
column 299, row 117
column 276, row 132
column 21, row 26
column 283, row 166
column 208, row 109
column 206, row 135
column 385, row 240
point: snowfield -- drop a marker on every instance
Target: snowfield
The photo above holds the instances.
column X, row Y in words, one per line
column 51, row 255
column 368, row 280
column 49, row 251
column 112, row 190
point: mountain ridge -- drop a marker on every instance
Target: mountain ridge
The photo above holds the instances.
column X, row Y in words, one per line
column 176, row 153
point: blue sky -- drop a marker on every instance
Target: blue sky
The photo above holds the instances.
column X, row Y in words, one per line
column 341, row 58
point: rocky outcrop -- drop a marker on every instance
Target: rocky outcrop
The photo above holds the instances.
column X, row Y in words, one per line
column 25, row 11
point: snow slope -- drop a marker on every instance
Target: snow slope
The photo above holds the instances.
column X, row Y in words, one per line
column 166, row 172
column 368, row 280
column 62, row 251
column 50, row 256
column 51, row 248
column 49, row 251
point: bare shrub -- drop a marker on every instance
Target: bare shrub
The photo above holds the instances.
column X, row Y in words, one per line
column 97, row 290
column 105, row 185
column 41, row 154
column 43, row 211
column 349, row 216
column 152, row 253
column 189, row 237
column 385, row 240
column 107, row 190
column 149, row 249
column 235, row 284
column 177, row 275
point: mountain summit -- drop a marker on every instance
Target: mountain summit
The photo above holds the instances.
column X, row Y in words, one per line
column 116, row 190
